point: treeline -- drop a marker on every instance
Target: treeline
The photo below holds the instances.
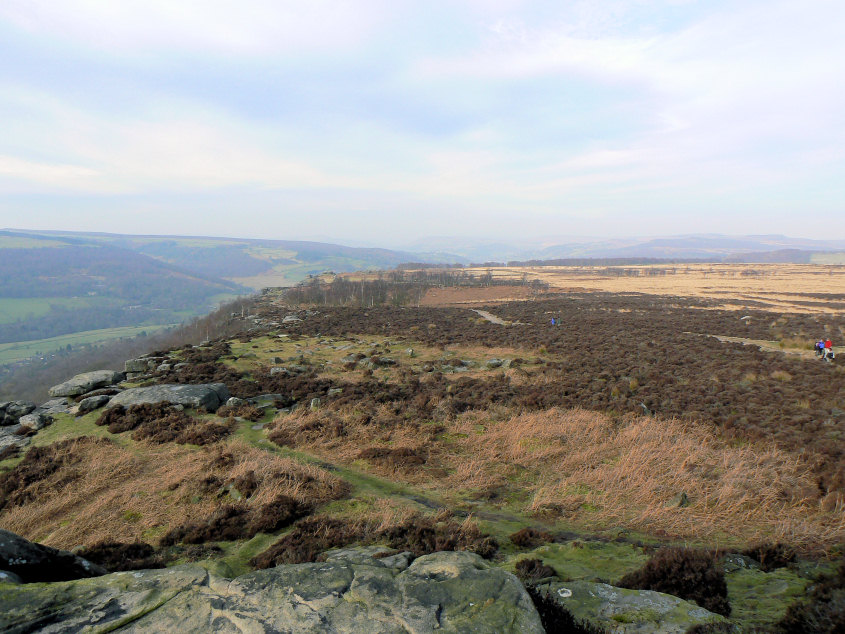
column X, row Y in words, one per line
column 31, row 380
column 397, row 288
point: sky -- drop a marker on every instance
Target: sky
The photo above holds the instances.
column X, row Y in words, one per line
column 381, row 122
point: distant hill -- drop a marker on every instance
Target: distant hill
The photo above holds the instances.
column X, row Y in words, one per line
column 253, row 263
column 711, row 247
column 61, row 285
column 56, row 285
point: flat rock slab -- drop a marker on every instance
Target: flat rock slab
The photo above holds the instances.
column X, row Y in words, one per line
column 85, row 382
column 210, row 396
column 448, row 592
column 622, row 610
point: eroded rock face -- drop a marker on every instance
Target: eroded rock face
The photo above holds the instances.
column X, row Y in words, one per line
column 32, row 562
column 210, row 396
column 350, row 592
column 622, row 610
column 85, row 382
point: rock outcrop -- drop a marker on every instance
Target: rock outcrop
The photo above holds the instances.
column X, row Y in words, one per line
column 85, row 382
column 11, row 411
column 31, row 562
column 210, row 396
column 350, row 592
column 626, row 611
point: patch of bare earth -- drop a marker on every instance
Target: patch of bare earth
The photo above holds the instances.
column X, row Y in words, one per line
column 462, row 296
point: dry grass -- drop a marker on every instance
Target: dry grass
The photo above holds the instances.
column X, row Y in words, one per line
column 734, row 284
column 588, row 467
column 121, row 494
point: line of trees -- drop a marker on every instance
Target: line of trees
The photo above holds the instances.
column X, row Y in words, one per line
column 397, row 288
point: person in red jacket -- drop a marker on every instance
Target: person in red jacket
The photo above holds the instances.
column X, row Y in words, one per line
column 828, row 348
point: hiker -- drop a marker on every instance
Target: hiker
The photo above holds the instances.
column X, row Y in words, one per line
column 553, row 321
column 820, row 348
column 828, row 349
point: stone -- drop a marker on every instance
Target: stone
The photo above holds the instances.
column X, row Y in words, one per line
column 164, row 367
column 621, row 610
column 291, row 319
column 734, row 561
column 33, row 562
column 14, row 410
column 447, row 592
column 203, row 395
column 494, row 363
column 92, row 402
column 9, row 577
column 278, row 370
column 234, row 401
column 143, row 364
column 9, row 437
column 277, row 360
column 334, row 391
column 36, row 420
column 60, row 405
column 315, row 403
column 679, row 501
column 85, row 382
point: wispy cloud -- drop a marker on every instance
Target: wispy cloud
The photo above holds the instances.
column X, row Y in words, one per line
column 500, row 116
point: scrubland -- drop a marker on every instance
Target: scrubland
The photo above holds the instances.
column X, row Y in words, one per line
column 588, row 446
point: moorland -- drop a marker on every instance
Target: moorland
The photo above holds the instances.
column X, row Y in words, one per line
column 641, row 435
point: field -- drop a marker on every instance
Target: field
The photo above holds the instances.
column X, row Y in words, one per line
column 21, row 350
column 802, row 288
column 637, row 422
column 12, row 309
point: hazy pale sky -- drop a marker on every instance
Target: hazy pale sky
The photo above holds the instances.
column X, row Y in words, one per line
column 384, row 121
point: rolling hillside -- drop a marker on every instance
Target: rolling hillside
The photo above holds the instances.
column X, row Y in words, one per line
column 58, row 286
column 253, row 263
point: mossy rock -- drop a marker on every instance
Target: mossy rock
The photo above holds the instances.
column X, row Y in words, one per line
column 621, row 610
column 446, row 591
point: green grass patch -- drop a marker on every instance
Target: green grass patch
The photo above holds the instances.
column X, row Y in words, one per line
column 759, row 599
column 14, row 309
column 605, row 562
column 18, row 351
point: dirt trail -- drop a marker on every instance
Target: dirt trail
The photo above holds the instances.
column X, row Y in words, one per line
column 490, row 317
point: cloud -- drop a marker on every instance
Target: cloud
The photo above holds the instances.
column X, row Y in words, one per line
column 147, row 27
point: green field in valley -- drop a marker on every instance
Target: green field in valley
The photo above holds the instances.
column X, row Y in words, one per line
column 13, row 309
column 18, row 351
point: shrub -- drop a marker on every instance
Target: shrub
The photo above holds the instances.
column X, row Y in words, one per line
column 686, row 573
column 532, row 570
column 247, row 411
column 117, row 556
column 420, row 535
column 530, row 537
column 771, row 556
